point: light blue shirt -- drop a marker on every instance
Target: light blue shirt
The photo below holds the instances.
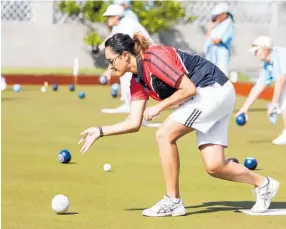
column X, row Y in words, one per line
column 223, row 31
column 269, row 72
column 131, row 15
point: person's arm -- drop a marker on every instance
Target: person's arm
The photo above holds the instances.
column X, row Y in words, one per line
column 130, row 125
column 279, row 85
column 186, row 89
column 108, row 72
column 253, row 95
column 256, row 90
column 222, row 33
column 211, row 25
column 280, row 82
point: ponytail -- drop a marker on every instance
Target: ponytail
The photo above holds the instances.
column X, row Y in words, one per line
column 141, row 44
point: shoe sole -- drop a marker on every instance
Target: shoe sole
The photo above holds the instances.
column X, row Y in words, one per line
column 169, row 214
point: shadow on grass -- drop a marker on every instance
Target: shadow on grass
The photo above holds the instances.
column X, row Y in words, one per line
column 230, row 206
column 10, row 98
column 69, row 213
column 260, row 141
column 70, row 163
column 221, row 206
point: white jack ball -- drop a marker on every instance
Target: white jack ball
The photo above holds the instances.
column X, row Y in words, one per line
column 60, row 204
column 43, row 89
column 107, row 167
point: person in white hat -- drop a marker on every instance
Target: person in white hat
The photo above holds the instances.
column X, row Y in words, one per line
column 121, row 24
column 273, row 70
column 219, row 37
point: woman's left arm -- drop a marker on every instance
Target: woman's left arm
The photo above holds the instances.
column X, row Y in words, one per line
column 186, row 89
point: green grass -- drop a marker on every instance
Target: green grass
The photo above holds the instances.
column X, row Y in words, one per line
column 35, row 126
column 63, row 71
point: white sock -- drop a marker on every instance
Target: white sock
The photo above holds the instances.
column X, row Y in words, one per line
column 175, row 200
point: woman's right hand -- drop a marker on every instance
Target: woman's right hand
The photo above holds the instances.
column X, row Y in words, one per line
column 89, row 136
column 243, row 111
column 108, row 74
column 211, row 25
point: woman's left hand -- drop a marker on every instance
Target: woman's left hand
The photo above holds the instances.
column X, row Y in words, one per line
column 90, row 135
column 152, row 112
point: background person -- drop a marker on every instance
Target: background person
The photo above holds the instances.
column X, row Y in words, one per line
column 219, row 37
column 273, row 70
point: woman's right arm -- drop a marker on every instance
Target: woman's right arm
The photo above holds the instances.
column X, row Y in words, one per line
column 130, row 125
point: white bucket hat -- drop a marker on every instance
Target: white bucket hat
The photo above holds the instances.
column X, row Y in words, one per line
column 114, row 10
column 261, row 42
column 220, row 9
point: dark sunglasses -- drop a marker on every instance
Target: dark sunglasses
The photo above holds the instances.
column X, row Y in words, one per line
column 112, row 62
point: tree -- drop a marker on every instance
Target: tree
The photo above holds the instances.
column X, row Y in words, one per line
column 166, row 13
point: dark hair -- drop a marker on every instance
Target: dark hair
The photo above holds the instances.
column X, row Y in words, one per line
column 123, row 42
column 214, row 17
column 231, row 16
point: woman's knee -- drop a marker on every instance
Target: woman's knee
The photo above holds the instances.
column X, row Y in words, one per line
column 214, row 169
column 163, row 135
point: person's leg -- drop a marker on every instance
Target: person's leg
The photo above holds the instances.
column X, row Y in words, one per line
column 125, row 88
column 125, row 96
column 217, row 166
column 281, row 139
column 212, row 144
column 167, row 135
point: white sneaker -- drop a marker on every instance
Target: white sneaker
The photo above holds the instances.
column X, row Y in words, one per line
column 281, row 140
column 124, row 108
column 264, row 195
column 166, row 207
column 146, row 124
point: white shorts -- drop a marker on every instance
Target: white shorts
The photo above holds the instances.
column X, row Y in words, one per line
column 208, row 113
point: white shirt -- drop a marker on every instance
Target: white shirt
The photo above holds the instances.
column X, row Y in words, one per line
column 130, row 14
column 130, row 27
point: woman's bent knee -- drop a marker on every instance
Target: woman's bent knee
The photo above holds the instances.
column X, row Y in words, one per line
column 214, row 169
